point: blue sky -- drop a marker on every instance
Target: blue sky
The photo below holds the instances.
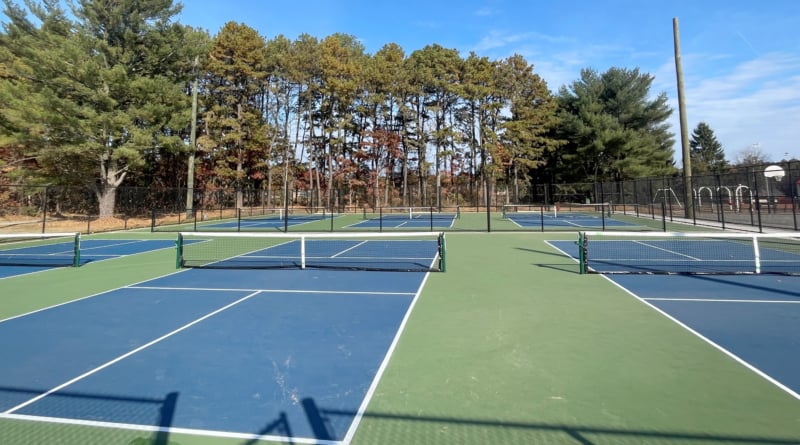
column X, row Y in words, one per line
column 741, row 59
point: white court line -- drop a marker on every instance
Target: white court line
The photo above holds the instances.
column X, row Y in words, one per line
column 267, row 291
column 44, row 269
column 669, row 251
column 720, row 300
column 211, row 433
column 76, row 300
column 313, row 257
column 348, row 249
column 116, row 244
column 348, row 437
column 171, row 430
column 128, row 354
column 669, row 261
column 710, row 342
column 34, row 255
column 730, row 354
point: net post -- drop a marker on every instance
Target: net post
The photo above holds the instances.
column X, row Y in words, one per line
column 603, row 215
column 541, row 218
column 302, row 252
column 582, row 252
column 756, row 255
column 179, row 251
column 442, row 253
column 76, row 261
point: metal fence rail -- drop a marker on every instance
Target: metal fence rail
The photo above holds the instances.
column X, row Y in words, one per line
column 754, row 198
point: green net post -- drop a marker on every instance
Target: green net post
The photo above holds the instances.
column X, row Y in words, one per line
column 582, row 252
column 76, row 261
column 442, row 254
column 179, row 251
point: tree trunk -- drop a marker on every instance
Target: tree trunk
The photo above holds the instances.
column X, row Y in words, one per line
column 376, row 190
column 110, row 177
column 405, row 175
column 239, row 161
column 270, row 198
column 106, row 197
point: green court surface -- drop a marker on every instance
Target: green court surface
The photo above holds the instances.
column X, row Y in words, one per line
column 509, row 346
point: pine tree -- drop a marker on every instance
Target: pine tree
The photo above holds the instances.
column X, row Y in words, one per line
column 531, row 121
column 706, row 152
column 614, row 131
column 90, row 97
column 234, row 141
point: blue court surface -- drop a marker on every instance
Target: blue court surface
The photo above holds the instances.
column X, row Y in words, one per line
column 566, row 220
column 401, row 221
column 91, row 250
column 289, row 355
column 264, row 222
column 356, row 254
column 755, row 319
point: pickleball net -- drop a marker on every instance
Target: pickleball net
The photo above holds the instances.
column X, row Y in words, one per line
column 408, row 251
column 40, row 249
column 559, row 210
column 689, row 253
column 417, row 213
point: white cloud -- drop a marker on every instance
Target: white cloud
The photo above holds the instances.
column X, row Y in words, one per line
column 507, row 40
column 757, row 101
column 745, row 101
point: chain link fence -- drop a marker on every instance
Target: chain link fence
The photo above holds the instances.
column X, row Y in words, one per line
column 755, row 198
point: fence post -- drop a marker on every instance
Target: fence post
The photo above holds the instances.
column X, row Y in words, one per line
column 44, row 211
column 720, row 202
column 757, row 201
column 792, row 195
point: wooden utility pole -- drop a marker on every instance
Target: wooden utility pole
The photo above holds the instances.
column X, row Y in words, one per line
column 687, row 159
column 192, row 148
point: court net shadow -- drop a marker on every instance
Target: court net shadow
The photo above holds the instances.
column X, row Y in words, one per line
column 402, row 428
column 567, row 265
column 65, row 409
column 747, row 285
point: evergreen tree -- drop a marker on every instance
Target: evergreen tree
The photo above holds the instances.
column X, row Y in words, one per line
column 532, row 119
column 481, row 107
column 100, row 91
column 234, row 142
column 614, row 131
column 706, row 151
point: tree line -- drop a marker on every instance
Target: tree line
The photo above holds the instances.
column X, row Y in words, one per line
column 101, row 95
